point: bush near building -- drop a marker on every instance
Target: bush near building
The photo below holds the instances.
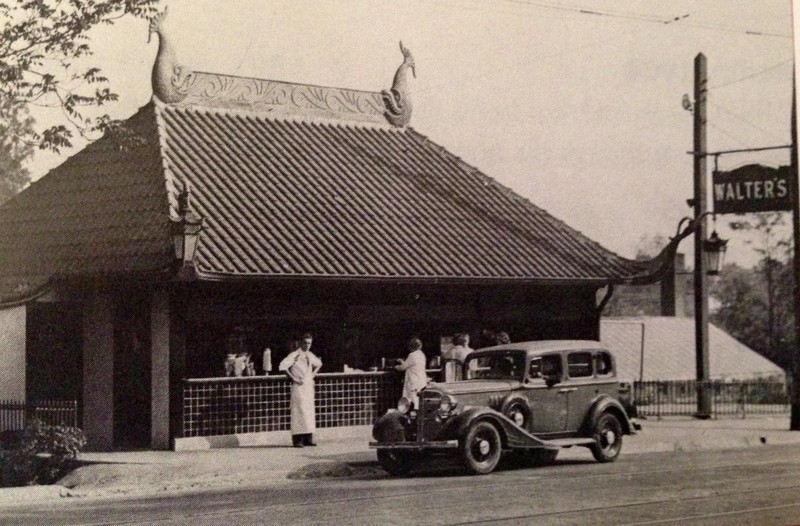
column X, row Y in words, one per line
column 42, row 455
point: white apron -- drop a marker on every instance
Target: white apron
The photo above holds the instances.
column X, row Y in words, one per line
column 302, row 400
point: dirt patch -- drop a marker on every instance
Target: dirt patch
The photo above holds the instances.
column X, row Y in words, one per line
column 334, row 470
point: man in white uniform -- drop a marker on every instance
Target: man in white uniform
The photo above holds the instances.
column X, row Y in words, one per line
column 459, row 352
column 301, row 367
column 414, row 367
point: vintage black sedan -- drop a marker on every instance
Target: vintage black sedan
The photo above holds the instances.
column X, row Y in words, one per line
column 530, row 398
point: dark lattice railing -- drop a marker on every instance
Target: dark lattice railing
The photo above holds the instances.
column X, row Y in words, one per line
column 225, row 406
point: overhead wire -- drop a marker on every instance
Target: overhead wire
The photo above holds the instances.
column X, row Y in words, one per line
column 640, row 17
column 745, row 120
column 729, row 135
column 751, row 75
column 678, row 20
column 637, row 17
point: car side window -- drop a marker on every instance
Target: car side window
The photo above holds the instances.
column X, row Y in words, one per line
column 579, row 364
column 551, row 366
column 535, row 369
column 603, row 366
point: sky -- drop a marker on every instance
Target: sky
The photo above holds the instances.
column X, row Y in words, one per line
column 573, row 104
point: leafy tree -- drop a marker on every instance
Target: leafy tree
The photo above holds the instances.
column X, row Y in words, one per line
column 15, row 124
column 43, row 47
column 773, row 245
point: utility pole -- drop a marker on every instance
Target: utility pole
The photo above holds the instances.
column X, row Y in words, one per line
column 794, row 423
column 700, row 279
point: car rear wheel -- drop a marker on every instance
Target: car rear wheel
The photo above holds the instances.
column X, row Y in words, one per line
column 481, row 448
column 608, row 438
column 396, row 462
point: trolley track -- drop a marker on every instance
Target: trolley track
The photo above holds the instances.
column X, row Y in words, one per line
column 690, row 478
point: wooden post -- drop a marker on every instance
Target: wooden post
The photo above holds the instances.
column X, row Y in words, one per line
column 794, row 423
column 700, row 279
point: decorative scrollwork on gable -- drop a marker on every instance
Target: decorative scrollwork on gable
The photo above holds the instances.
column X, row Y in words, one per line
column 222, row 91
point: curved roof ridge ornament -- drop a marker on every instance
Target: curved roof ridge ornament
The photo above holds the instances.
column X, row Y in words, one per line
column 655, row 269
column 398, row 99
column 170, row 79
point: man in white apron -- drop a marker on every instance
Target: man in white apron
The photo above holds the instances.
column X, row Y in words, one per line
column 414, row 366
column 301, row 367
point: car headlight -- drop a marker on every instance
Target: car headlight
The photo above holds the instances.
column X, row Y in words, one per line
column 404, row 405
column 446, row 405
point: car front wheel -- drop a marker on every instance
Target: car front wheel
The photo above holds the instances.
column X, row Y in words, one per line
column 397, row 463
column 608, row 438
column 481, row 448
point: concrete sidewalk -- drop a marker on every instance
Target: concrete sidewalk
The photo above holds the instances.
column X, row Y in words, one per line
column 343, row 453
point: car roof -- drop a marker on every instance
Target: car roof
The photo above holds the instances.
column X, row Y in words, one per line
column 543, row 346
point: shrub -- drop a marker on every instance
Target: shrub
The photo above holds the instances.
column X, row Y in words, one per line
column 45, row 454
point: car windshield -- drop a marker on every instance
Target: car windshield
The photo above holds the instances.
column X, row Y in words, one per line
column 505, row 365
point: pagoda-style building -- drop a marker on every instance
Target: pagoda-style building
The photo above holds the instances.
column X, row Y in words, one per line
column 240, row 211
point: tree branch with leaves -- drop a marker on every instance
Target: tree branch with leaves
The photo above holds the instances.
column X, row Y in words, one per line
column 42, row 48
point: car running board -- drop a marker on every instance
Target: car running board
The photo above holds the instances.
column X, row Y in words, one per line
column 569, row 442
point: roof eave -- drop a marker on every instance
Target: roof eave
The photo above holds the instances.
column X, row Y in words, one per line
column 479, row 280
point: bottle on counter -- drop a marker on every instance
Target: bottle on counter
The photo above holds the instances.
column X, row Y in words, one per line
column 267, row 363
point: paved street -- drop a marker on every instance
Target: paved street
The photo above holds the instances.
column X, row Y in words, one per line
column 752, row 486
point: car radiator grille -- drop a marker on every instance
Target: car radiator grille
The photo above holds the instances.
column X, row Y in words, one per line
column 428, row 423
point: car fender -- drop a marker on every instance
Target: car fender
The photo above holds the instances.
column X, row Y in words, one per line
column 515, row 397
column 602, row 404
column 511, row 435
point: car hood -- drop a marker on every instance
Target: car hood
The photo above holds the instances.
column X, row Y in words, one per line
column 474, row 386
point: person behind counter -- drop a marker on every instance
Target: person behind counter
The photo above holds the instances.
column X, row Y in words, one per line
column 459, row 352
column 414, row 367
column 301, row 366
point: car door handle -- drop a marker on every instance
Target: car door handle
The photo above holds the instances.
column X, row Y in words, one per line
column 567, row 390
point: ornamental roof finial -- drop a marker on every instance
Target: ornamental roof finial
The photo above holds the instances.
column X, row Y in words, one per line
column 170, row 79
column 398, row 99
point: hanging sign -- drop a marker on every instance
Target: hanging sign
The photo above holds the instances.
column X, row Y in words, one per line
column 752, row 188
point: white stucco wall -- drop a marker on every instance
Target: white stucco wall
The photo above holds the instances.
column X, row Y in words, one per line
column 12, row 353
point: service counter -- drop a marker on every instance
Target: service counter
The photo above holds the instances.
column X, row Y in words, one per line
column 252, row 404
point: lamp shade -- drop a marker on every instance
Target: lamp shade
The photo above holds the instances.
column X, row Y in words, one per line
column 714, row 253
column 185, row 230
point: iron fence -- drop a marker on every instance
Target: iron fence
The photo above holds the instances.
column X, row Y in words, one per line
column 679, row 397
column 14, row 414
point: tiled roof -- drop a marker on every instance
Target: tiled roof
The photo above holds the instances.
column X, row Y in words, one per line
column 669, row 350
column 287, row 190
column 102, row 211
column 286, row 197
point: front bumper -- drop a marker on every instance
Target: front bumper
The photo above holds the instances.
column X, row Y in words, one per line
column 417, row 446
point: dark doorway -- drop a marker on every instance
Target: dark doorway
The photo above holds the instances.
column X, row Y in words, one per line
column 54, row 368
